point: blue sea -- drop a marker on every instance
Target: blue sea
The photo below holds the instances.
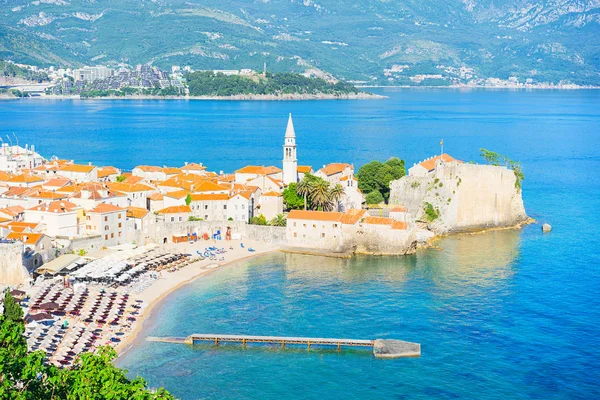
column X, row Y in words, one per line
column 501, row 315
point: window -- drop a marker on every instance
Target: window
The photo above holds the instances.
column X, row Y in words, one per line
column 112, row 235
column 135, row 225
column 295, row 234
column 314, row 225
column 304, row 225
column 120, row 233
column 120, row 225
column 225, row 207
column 105, row 227
column 172, row 219
column 120, row 215
column 206, row 217
column 335, row 225
column 322, row 235
column 180, row 219
column 105, row 218
column 105, row 237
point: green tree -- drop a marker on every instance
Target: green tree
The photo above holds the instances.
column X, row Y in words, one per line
column 121, row 178
column 279, row 220
column 260, row 220
column 319, row 195
column 376, row 176
column 375, row 197
column 291, row 199
column 304, row 188
column 12, row 310
column 188, row 199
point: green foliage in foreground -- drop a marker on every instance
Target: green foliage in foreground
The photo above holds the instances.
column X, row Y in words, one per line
column 494, row 158
column 376, row 177
column 291, row 198
column 211, row 84
column 25, row 376
column 260, row 220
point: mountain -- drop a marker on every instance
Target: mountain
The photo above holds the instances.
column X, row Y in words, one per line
column 380, row 42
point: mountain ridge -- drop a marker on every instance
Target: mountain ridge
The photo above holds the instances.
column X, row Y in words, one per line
column 376, row 42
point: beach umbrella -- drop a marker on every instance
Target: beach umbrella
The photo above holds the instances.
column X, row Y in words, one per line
column 49, row 306
column 39, row 317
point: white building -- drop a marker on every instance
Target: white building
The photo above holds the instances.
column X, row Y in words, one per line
column 90, row 74
column 61, row 218
column 109, row 221
column 16, row 158
column 428, row 166
column 271, row 204
column 290, row 161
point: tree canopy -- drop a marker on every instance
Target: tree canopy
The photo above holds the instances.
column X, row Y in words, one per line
column 376, row 176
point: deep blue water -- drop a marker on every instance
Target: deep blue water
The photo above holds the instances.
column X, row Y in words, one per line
column 511, row 314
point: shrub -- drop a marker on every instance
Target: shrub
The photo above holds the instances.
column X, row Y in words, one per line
column 431, row 213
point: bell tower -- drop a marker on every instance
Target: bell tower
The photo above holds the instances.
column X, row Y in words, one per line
column 290, row 162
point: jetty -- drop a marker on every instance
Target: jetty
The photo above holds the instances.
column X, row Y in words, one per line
column 382, row 348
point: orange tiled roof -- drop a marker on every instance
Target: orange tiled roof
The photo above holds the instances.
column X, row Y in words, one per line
column 178, row 194
column 429, row 165
column 12, row 210
column 22, row 225
column 77, row 168
column 208, row 186
column 208, row 197
column 304, row 169
column 171, row 170
column 400, row 225
column 345, row 178
column 378, row 220
column 57, row 182
column 45, row 194
column 228, row 178
column 156, row 196
column 149, row 168
column 132, row 179
column 272, row 194
column 56, row 207
column 258, row 170
column 128, row 187
column 103, row 172
column 352, row 216
column 4, row 176
column 334, row 168
column 136, row 212
column 193, row 167
column 25, row 237
column 175, row 210
column 105, row 208
column 25, row 178
column 315, row 215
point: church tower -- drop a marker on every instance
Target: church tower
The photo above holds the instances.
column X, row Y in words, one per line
column 290, row 162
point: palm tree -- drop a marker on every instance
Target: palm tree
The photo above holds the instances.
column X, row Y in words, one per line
column 335, row 194
column 319, row 195
column 304, row 188
column 279, row 220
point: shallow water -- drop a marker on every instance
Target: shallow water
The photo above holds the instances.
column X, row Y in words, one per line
column 508, row 314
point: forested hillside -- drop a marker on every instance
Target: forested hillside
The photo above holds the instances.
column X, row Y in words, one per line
column 379, row 42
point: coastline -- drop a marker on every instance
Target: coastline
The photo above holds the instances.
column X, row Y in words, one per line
column 163, row 287
column 245, row 97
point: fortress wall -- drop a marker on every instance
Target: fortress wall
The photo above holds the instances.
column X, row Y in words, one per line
column 12, row 271
column 468, row 196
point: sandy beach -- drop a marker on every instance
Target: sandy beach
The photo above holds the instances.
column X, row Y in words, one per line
column 171, row 281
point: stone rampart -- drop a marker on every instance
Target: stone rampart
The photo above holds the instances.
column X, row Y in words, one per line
column 12, row 271
column 466, row 197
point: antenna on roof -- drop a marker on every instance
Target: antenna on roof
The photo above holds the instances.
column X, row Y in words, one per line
column 8, row 137
column 16, row 139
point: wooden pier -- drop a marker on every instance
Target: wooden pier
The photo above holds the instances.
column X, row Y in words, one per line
column 382, row 348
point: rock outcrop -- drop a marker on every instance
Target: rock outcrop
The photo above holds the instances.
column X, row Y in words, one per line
column 461, row 197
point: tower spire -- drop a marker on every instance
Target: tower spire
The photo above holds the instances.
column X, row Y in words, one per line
column 289, row 131
column 290, row 162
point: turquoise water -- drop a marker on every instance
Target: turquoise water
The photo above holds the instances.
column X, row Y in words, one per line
column 511, row 314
